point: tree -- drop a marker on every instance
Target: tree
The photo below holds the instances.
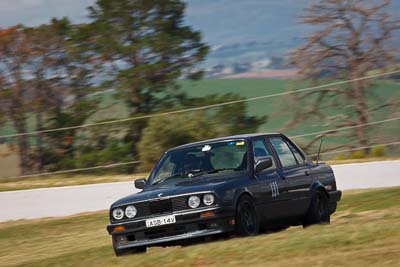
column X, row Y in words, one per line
column 352, row 38
column 79, row 68
column 46, row 68
column 146, row 47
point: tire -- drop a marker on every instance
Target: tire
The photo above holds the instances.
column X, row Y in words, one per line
column 124, row 252
column 318, row 212
column 247, row 222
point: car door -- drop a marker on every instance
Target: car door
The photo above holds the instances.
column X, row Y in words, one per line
column 295, row 171
column 272, row 189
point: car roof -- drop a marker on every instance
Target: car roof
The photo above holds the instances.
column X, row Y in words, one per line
column 219, row 139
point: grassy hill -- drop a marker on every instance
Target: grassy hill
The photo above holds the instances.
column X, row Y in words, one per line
column 247, row 88
column 364, row 232
column 277, row 108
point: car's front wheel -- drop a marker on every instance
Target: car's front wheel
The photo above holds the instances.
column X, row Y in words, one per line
column 318, row 212
column 247, row 222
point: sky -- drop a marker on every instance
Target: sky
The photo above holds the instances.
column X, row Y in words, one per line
column 35, row 12
column 221, row 21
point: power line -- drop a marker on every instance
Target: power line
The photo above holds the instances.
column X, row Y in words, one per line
column 136, row 162
column 347, row 127
column 199, row 108
column 355, row 149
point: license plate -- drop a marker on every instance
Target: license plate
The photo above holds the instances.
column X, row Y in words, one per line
column 160, row 221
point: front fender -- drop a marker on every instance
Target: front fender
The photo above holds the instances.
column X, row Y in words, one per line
column 238, row 194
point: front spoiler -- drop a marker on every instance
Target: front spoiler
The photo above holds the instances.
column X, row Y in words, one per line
column 200, row 233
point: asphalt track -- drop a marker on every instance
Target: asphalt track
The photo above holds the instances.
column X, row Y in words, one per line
column 68, row 200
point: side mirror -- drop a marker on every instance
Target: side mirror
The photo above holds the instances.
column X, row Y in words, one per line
column 140, row 183
column 262, row 164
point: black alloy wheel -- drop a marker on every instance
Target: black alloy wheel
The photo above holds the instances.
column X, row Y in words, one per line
column 247, row 222
column 318, row 212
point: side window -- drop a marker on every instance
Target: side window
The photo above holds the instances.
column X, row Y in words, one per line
column 298, row 155
column 284, row 152
column 260, row 150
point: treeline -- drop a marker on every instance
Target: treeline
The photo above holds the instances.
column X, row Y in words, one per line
column 138, row 48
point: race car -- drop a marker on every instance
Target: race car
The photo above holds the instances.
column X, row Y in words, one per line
column 239, row 185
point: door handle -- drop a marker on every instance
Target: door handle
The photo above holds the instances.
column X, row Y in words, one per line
column 307, row 173
column 283, row 177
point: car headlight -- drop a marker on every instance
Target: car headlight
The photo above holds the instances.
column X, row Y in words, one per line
column 208, row 199
column 194, row 202
column 118, row 214
column 130, row 211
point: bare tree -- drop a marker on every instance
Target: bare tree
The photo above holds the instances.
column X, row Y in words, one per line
column 352, row 37
column 43, row 75
column 14, row 101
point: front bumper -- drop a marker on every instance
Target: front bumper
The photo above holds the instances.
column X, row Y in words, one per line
column 188, row 225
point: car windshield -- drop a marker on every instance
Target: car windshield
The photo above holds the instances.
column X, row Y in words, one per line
column 227, row 156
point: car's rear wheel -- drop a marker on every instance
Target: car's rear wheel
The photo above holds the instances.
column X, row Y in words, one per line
column 137, row 250
column 247, row 222
column 318, row 212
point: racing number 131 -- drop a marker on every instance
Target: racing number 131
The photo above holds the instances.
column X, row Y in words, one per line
column 274, row 189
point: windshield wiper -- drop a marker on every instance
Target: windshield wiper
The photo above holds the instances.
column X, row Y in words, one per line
column 176, row 175
column 211, row 171
column 192, row 173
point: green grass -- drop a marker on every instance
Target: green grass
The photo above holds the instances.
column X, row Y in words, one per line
column 364, row 232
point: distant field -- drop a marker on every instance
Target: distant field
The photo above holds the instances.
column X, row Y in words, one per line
column 276, row 108
column 364, row 232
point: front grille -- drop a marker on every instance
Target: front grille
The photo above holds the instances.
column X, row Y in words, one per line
column 156, row 206
column 180, row 203
column 143, row 209
column 160, row 206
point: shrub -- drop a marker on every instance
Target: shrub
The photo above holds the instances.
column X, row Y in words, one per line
column 359, row 154
column 341, row 157
column 378, row 151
